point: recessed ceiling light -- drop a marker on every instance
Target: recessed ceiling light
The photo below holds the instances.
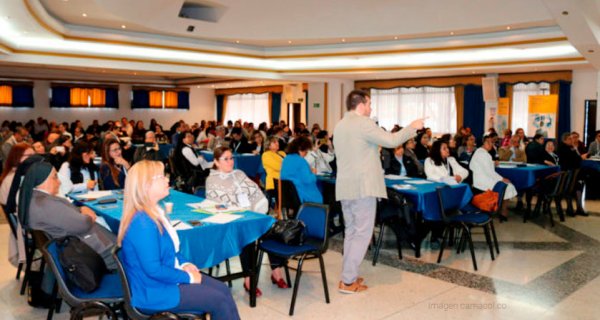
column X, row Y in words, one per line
column 473, row 72
column 452, row 33
column 103, row 71
column 123, row 26
column 508, row 28
column 565, row 13
column 135, row 73
column 213, row 85
column 237, row 41
column 198, row 87
column 343, row 40
column 395, row 38
column 290, row 41
column 84, row 14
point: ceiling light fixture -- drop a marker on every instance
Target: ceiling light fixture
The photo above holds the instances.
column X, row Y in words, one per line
column 343, row 40
column 213, row 86
column 395, row 38
column 123, row 26
column 84, row 14
column 508, row 28
column 451, row 33
column 237, row 41
column 289, row 41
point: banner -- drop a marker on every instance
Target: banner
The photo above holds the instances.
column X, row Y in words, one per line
column 542, row 115
column 502, row 116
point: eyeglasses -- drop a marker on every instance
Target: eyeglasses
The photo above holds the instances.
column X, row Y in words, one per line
column 226, row 159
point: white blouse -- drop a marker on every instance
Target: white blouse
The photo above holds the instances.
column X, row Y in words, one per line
column 442, row 172
column 66, row 186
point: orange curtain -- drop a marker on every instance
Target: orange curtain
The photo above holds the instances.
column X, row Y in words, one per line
column 6, row 95
column 171, row 99
column 98, row 97
column 155, row 99
column 79, row 97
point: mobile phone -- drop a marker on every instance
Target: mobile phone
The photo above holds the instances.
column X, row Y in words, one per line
column 195, row 223
column 106, row 201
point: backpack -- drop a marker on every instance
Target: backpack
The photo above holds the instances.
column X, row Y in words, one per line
column 83, row 267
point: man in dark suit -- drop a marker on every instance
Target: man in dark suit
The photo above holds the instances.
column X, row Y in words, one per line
column 239, row 143
column 394, row 162
column 535, row 150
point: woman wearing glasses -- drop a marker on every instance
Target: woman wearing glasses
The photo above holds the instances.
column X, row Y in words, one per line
column 113, row 169
column 233, row 188
column 160, row 277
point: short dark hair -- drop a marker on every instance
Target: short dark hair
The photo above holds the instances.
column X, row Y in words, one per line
column 539, row 135
column 355, row 98
column 301, row 143
column 217, row 153
column 236, row 130
column 564, row 136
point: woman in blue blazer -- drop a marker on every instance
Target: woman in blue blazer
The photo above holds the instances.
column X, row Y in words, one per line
column 295, row 168
column 160, row 277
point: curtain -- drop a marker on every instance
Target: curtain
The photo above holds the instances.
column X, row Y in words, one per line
column 520, row 103
column 403, row 105
column 6, row 96
column 183, row 100
column 249, row 107
column 155, row 99
column 509, row 95
column 112, row 98
column 275, row 107
column 61, row 97
column 170, row 99
column 141, row 99
column 220, row 102
column 22, row 96
column 563, row 117
column 474, row 106
column 459, row 99
column 98, row 97
column 79, row 97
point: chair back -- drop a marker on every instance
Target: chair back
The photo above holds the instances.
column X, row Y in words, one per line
column 12, row 220
column 572, row 183
column 290, row 201
column 562, row 180
column 316, row 218
column 51, row 256
column 449, row 203
column 500, row 188
column 132, row 312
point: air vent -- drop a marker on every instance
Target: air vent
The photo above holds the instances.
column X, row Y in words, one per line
column 202, row 10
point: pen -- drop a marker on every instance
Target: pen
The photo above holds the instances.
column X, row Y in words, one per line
column 175, row 225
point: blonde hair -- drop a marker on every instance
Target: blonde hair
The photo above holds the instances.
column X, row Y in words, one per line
column 136, row 198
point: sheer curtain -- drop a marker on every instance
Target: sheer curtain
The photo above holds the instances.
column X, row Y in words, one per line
column 403, row 105
column 248, row 107
column 520, row 103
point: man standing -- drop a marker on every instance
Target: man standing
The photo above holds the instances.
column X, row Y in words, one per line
column 360, row 179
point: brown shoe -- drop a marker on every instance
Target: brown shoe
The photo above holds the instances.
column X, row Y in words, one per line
column 353, row 288
column 360, row 280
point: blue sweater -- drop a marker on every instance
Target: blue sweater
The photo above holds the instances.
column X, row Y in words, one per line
column 296, row 169
column 149, row 262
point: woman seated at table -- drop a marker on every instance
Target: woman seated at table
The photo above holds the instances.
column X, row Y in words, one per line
column 160, row 278
column 422, row 147
column 297, row 170
column 190, row 165
column 550, row 158
column 409, row 153
column 233, row 188
column 258, row 143
column 113, row 169
column 40, row 208
column 79, row 173
column 485, row 175
column 272, row 160
column 400, row 164
column 466, row 151
column 322, row 154
column 443, row 168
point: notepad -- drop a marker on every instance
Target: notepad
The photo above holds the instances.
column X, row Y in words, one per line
column 403, row 187
column 180, row 225
column 212, row 207
column 507, row 166
column 222, row 218
column 395, row 177
column 93, row 195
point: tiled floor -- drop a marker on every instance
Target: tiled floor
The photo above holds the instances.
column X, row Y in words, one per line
column 541, row 273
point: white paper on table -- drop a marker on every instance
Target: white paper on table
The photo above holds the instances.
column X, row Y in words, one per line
column 180, row 225
column 507, row 166
column 198, row 205
column 94, row 195
column 395, row 177
column 222, row 218
column 451, row 181
column 100, row 220
column 418, row 181
column 403, row 187
column 214, row 207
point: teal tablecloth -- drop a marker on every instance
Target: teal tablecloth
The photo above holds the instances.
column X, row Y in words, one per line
column 206, row 245
column 524, row 178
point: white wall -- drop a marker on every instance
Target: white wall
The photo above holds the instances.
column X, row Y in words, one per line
column 337, row 91
column 202, row 107
column 583, row 87
column 316, row 94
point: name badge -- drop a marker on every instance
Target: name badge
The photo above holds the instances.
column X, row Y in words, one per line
column 243, row 200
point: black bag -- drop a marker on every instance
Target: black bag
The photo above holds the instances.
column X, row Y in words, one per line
column 291, row 232
column 36, row 297
column 82, row 265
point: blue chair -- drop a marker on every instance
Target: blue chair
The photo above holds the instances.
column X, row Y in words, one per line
column 393, row 212
column 106, row 299
column 315, row 217
column 131, row 311
column 453, row 218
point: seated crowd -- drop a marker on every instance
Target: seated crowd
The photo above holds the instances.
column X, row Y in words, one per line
column 54, row 160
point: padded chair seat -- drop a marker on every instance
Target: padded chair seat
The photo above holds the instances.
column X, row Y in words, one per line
column 469, row 208
column 282, row 249
column 110, row 288
column 472, row 218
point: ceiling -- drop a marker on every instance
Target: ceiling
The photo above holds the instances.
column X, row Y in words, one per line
column 306, row 40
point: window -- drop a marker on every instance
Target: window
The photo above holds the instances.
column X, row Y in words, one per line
column 248, row 107
column 520, row 103
column 403, row 105
column 157, row 98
